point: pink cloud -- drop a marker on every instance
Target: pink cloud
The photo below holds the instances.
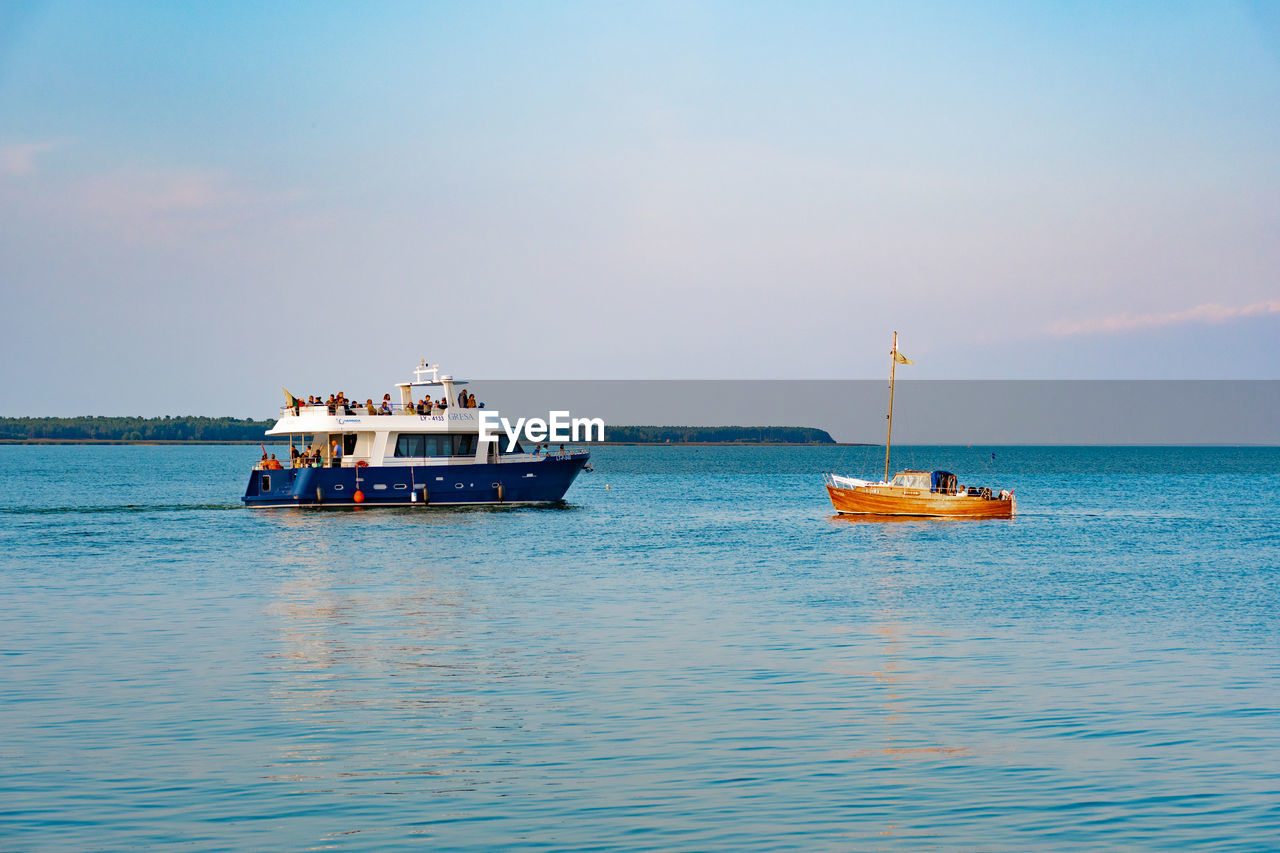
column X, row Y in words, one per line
column 20, row 159
column 152, row 194
column 152, row 206
column 1207, row 313
column 148, row 206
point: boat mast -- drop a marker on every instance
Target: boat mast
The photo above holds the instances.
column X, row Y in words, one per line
column 888, row 439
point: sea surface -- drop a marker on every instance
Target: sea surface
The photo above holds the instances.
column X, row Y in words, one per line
column 690, row 654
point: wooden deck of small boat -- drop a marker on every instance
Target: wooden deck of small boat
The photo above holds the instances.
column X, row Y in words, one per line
column 890, row 500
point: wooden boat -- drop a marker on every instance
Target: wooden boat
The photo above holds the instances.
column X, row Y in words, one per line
column 930, row 494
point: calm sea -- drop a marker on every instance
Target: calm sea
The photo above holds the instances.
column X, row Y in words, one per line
column 691, row 654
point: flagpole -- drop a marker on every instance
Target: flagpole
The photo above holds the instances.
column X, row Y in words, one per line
column 888, row 439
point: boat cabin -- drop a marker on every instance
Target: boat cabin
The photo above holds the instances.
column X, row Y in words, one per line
column 405, row 436
column 942, row 482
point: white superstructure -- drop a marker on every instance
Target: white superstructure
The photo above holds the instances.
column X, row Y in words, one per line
column 448, row 435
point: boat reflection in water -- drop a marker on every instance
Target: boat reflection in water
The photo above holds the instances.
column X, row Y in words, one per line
column 929, row 494
column 920, row 521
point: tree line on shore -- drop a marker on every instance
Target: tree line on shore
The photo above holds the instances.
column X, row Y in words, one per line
column 716, row 435
column 199, row 429
column 167, row 428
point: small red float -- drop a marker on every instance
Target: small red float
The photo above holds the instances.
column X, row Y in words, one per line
column 358, row 497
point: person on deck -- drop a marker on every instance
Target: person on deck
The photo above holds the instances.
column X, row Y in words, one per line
column 335, row 458
column 369, row 405
column 385, row 409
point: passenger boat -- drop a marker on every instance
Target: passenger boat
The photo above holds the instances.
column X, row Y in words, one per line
column 405, row 457
column 915, row 493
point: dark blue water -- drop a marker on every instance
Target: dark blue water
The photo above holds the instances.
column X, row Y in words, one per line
column 696, row 657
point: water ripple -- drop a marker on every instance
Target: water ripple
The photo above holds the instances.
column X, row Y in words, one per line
column 700, row 657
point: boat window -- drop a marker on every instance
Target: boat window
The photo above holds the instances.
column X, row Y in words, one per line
column 911, row 480
column 349, row 444
column 266, row 483
column 411, row 445
column 502, row 446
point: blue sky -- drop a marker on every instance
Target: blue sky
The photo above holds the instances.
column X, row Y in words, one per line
column 200, row 203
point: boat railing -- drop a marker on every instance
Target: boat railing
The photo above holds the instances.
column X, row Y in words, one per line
column 353, row 461
column 323, row 462
column 361, row 410
column 839, row 481
column 348, row 461
column 571, row 453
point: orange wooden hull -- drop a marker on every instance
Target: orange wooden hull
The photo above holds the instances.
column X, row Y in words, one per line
column 892, row 500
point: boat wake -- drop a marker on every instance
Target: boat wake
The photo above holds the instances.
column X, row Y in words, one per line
column 113, row 508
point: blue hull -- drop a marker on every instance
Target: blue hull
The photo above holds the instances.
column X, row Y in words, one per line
column 541, row 481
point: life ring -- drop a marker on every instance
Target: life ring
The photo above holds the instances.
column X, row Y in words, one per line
column 362, row 464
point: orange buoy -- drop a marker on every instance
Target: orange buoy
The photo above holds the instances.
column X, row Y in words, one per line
column 358, row 497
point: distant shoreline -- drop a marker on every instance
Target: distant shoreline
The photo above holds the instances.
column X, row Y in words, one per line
column 272, row 442
column 275, row 441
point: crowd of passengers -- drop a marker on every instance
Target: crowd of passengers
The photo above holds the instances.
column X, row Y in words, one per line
column 308, row 457
column 339, row 404
column 427, row 406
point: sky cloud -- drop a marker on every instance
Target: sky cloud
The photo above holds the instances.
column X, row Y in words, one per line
column 1209, row 312
column 157, row 206
column 157, row 193
column 20, row 159
column 601, row 182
